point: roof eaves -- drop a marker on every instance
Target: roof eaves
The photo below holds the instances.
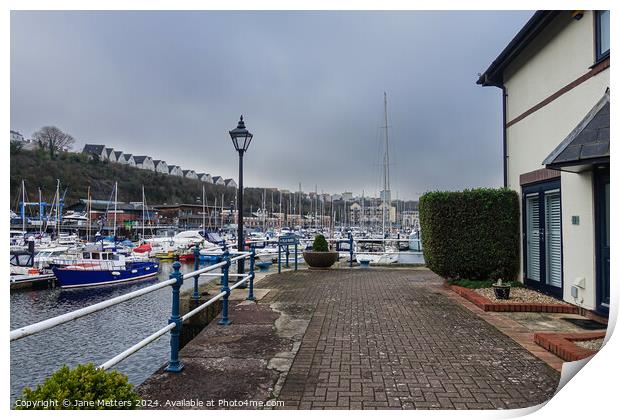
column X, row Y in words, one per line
column 493, row 75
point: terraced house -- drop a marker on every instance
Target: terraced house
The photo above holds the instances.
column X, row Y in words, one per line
column 554, row 78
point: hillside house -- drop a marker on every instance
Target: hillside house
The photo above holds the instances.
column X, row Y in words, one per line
column 229, row 182
column 161, row 166
column 109, row 154
column 218, row 180
column 144, row 162
column 128, row 160
column 174, row 170
column 95, row 151
column 189, row 174
column 205, row 178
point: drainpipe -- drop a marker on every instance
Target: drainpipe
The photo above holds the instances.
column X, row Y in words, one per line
column 504, row 147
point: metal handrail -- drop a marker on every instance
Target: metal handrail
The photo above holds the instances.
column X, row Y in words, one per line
column 71, row 316
column 133, row 349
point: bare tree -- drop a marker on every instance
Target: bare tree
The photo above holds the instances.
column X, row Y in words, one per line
column 53, row 140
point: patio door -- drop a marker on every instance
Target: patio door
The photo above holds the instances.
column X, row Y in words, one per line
column 601, row 192
column 542, row 237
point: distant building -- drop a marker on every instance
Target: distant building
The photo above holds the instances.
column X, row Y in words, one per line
column 189, row 216
column 118, row 156
column 102, row 216
column 144, row 162
column 95, row 151
column 411, row 219
column 18, row 138
column 189, row 174
column 218, row 180
column 348, row 196
column 108, row 154
column 229, row 182
column 161, row 166
column 174, row 170
column 128, row 160
column 205, row 178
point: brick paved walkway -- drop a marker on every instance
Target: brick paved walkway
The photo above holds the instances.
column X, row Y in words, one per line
column 389, row 339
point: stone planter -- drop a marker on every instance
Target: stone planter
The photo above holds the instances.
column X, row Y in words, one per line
column 320, row 259
column 502, row 292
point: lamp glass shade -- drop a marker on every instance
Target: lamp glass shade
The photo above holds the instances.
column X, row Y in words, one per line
column 241, row 137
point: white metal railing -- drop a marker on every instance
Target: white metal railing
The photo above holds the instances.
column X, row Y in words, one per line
column 71, row 316
column 176, row 280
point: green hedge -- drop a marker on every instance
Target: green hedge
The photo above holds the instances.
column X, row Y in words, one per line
column 471, row 234
column 320, row 244
column 84, row 387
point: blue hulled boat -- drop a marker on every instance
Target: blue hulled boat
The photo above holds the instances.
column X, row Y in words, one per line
column 99, row 268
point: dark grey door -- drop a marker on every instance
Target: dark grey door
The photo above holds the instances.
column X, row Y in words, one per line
column 601, row 188
column 542, row 237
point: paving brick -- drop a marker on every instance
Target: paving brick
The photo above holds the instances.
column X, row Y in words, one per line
column 391, row 338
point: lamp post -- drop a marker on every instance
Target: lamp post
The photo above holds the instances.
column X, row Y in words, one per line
column 241, row 139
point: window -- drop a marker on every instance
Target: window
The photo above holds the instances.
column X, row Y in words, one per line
column 602, row 34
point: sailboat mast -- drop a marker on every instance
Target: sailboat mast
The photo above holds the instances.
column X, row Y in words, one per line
column 40, row 213
column 87, row 215
column 386, row 169
column 23, row 212
column 115, row 203
column 143, row 219
column 204, row 227
column 58, row 206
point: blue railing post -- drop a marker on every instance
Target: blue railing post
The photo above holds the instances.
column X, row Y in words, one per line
column 279, row 257
column 252, row 262
column 195, row 294
column 224, row 320
column 350, row 250
column 175, row 365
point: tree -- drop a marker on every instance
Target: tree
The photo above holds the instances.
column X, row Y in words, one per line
column 53, row 140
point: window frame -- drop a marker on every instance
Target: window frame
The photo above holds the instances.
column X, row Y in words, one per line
column 598, row 54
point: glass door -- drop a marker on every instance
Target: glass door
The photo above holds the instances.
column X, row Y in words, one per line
column 601, row 189
column 532, row 236
column 542, row 237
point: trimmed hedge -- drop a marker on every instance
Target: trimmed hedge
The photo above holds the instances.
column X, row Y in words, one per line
column 320, row 244
column 471, row 234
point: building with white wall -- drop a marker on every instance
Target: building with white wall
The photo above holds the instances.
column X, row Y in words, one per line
column 205, row 178
column 175, row 170
column 144, row 162
column 160, row 166
column 128, row 160
column 189, row 174
column 554, row 79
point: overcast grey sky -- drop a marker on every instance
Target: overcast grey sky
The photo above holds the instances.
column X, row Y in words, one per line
column 310, row 86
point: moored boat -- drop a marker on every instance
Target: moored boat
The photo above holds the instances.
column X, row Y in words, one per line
column 103, row 268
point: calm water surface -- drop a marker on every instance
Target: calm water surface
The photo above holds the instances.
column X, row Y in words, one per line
column 94, row 338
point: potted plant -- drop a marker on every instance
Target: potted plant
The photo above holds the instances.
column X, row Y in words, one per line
column 320, row 256
column 501, row 289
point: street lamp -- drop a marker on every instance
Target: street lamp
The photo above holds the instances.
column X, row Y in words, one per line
column 241, row 139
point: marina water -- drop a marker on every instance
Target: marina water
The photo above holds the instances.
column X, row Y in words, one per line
column 94, row 338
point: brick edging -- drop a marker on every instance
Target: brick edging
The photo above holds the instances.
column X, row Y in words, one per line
column 563, row 346
column 489, row 306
